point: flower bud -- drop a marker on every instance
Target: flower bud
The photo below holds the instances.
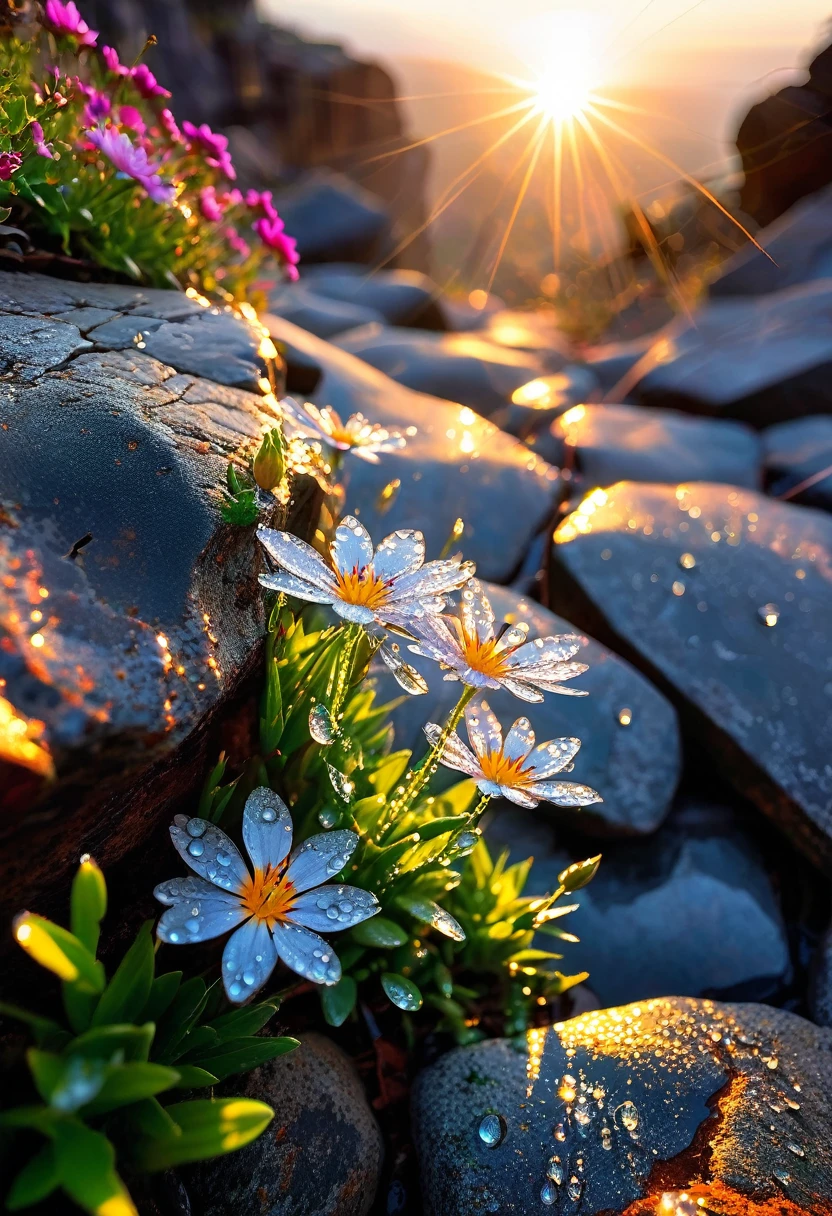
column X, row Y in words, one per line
column 269, row 463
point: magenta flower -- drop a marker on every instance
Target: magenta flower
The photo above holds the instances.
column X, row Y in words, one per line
column 97, row 108
column 262, row 201
column 236, row 242
column 130, row 117
column 214, row 144
column 41, row 146
column 169, row 124
column 65, row 20
column 272, row 235
column 210, row 206
column 146, row 83
column 10, row 162
column 113, row 62
column 132, row 162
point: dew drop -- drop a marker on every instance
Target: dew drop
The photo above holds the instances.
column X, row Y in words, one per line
column 575, row 1188
column 327, row 817
column 625, row 716
column 492, row 1130
column 195, row 827
column 559, row 1133
column 797, row 1149
column 627, row 1115
column 224, row 859
column 235, row 989
column 321, row 726
column 196, row 848
column 269, row 815
column 340, row 783
column 606, row 1138
column 548, row 1193
column 192, row 925
column 782, row 1176
column 554, row 1170
column 687, row 561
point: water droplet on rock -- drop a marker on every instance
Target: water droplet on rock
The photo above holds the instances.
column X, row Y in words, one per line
column 492, row 1130
column 627, row 1115
column 554, row 1170
column 797, row 1149
column 575, row 1188
column 769, row 614
column 548, row 1193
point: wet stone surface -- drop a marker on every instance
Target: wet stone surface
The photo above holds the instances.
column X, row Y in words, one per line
column 455, row 465
column 398, row 297
column 798, row 454
column 613, row 1111
column 727, row 596
column 318, row 314
column 630, row 753
column 320, row 1157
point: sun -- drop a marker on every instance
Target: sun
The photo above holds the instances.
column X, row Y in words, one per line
column 569, row 66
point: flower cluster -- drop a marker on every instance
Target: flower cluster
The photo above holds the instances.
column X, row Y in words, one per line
column 95, row 165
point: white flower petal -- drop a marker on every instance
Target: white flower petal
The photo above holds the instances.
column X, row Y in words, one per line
column 290, row 584
column 435, row 578
column 519, row 796
column 352, row 549
column 333, row 907
column 455, row 754
column 549, row 758
column 307, row 954
column 400, row 553
column 209, row 852
column 357, row 613
column 519, row 740
column 476, row 612
column 267, row 828
column 546, row 651
column 320, row 858
column 548, row 678
column 297, row 557
column 489, row 787
column 513, row 637
column 365, row 453
column 248, row 960
column 198, row 911
column 484, row 728
column 565, row 793
column 524, row 691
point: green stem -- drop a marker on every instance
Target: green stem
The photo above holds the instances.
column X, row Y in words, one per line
column 341, row 679
column 420, row 775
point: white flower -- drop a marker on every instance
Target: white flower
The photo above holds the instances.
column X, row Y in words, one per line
column 391, row 586
column 516, row 769
column 472, row 652
column 365, row 439
column 277, row 908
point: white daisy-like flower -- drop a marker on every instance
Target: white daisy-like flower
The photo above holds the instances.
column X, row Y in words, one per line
column 471, row 650
column 392, row 585
column 515, row 769
column 365, row 439
column 278, row 908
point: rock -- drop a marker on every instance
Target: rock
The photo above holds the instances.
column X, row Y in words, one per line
column 399, row 297
column 607, row 443
column 503, row 492
column 798, row 249
column 129, row 611
column 725, row 596
column 459, row 367
column 318, row 314
column 728, row 1104
column 615, row 365
column 334, row 220
column 799, row 453
column 28, row 347
column 320, row 1157
column 534, row 406
column 820, row 987
column 761, row 360
column 461, row 314
column 634, row 766
column 691, row 911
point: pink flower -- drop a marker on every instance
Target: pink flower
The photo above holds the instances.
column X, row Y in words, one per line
column 209, row 205
column 272, row 235
column 41, row 147
column 132, row 161
column 236, row 242
column 169, row 124
column 113, row 62
column 97, row 108
column 146, row 83
column 64, row 19
column 129, row 116
column 216, row 145
column 262, row 200
column 10, row 162
column 231, row 198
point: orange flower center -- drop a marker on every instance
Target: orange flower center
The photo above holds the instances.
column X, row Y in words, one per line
column 498, row 768
column 268, row 895
column 340, row 434
column 362, row 587
column 484, row 656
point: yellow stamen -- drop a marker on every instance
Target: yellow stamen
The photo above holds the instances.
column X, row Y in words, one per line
column 362, row 587
column 340, row 434
column 501, row 770
column 269, row 896
column 484, row 656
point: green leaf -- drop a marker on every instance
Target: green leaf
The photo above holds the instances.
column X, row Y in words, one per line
column 338, row 1000
column 127, row 1083
column 380, row 932
column 389, row 771
column 162, row 992
column 198, row 1040
column 241, row 1055
column 188, row 1004
column 86, row 1165
column 401, row 991
column 66, row 1082
column 448, row 823
column 149, row 1119
column 36, row 1180
column 191, row 1077
column 578, row 875
column 15, row 115
column 241, row 511
column 209, row 1127
column 59, row 951
column 47, row 1033
column 88, row 903
column 104, row 1042
column 128, row 990
column 245, row 1021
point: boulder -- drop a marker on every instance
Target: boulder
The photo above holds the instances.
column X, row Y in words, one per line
column 725, row 596
column 319, row 314
column 630, row 748
column 615, row 365
column 799, row 454
column 322, row 1154
column 334, row 220
column 129, row 612
column 691, row 911
column 762, row 360
column 502, row 492
column 798, row 249
column 673, row 1106
column 400, row 297
column 534, row 406
column 607, row 443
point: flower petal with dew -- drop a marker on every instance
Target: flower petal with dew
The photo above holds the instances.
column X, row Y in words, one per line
column 393, row 586
column 365, row 439
column 131, row 161
column 276, row 911
column 65, row 20
column 514, row 769
column 472, row 651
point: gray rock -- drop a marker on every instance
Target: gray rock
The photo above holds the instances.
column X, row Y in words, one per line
column 614, row 365
column 607, row 443
column 399, row 297
column 533, row 332
column 799, row 453
column 320, row 1157
column 318, row 314
column 724, row 1103
column 86, row 318
column 334, row 220
column 726, row 595
column 798, row 249
column 214, row 345
column 535, row 405
column 123, row 332
column 455, row 464
column 820, row 987
column 635, row 767
column 39, row 295
column 762, row 359
column 691, row 911
column 460, row 314
column 28, row 347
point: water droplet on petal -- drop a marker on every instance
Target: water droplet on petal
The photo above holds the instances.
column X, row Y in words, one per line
column 269, row 815
column 196, row 848
column 327, row 817
column 575, row 1188
column 340, row 783
column 321, row 726
column 554, row 1170
column 195, row 827
column 492, row 1130
column 224, row 859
